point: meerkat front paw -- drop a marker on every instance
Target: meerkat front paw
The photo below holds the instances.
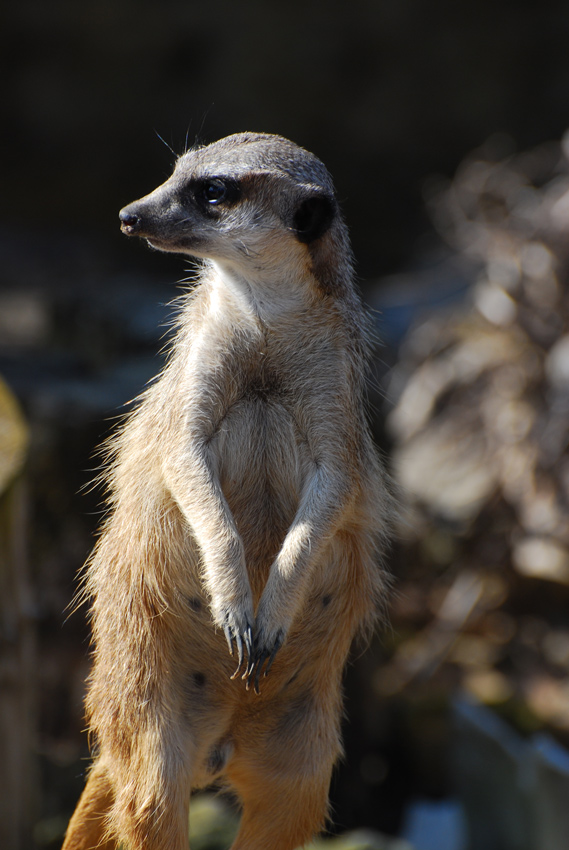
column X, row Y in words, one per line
column 238, row 630
column 265, row 647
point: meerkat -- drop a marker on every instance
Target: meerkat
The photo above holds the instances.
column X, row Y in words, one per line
column 248, row 513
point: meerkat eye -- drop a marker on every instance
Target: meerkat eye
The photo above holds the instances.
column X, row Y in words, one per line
column 214, row 191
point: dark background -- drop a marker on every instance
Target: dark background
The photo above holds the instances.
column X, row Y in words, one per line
column 385, row 92
column 390, row 94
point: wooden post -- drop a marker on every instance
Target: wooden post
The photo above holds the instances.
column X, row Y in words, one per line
column 17, row 657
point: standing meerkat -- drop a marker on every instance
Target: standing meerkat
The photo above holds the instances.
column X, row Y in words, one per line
column 247, row 510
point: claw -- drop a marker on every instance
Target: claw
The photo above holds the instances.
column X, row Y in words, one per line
column 250, row 671
column 276, row 647
column 254, row 671
column 262, row 659
column 243, row 643
column 256, row 661
column 251, row 655
column 239, row 644
column 248, row 637
column 249, row 666
column 228, row 638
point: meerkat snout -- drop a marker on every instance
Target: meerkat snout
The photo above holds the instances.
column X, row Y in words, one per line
column 130, row 223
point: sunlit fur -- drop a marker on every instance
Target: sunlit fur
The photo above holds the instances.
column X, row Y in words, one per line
column 244, row 488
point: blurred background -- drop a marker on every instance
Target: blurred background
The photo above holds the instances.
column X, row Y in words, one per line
column 442, row 124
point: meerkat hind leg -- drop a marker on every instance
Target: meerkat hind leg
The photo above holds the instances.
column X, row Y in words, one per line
column 282, row 776
column 87, row 828
column 283, row 813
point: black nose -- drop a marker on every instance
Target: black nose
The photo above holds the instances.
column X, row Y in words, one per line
column 130, row 222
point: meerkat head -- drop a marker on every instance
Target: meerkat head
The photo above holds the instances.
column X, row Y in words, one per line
column 247, row 199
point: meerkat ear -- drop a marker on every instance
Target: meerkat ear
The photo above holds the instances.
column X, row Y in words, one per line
column 313, row 217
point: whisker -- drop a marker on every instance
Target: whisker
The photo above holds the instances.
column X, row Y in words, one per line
column 164, row 142
column 187, row 136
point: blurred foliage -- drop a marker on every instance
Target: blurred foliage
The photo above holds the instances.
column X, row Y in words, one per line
column 214, row 824
column 13, row 437
column 481, row 431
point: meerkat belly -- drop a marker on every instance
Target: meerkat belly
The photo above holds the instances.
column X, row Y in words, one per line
column 263, row 462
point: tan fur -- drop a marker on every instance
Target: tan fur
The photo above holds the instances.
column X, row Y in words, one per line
column 245, row 494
